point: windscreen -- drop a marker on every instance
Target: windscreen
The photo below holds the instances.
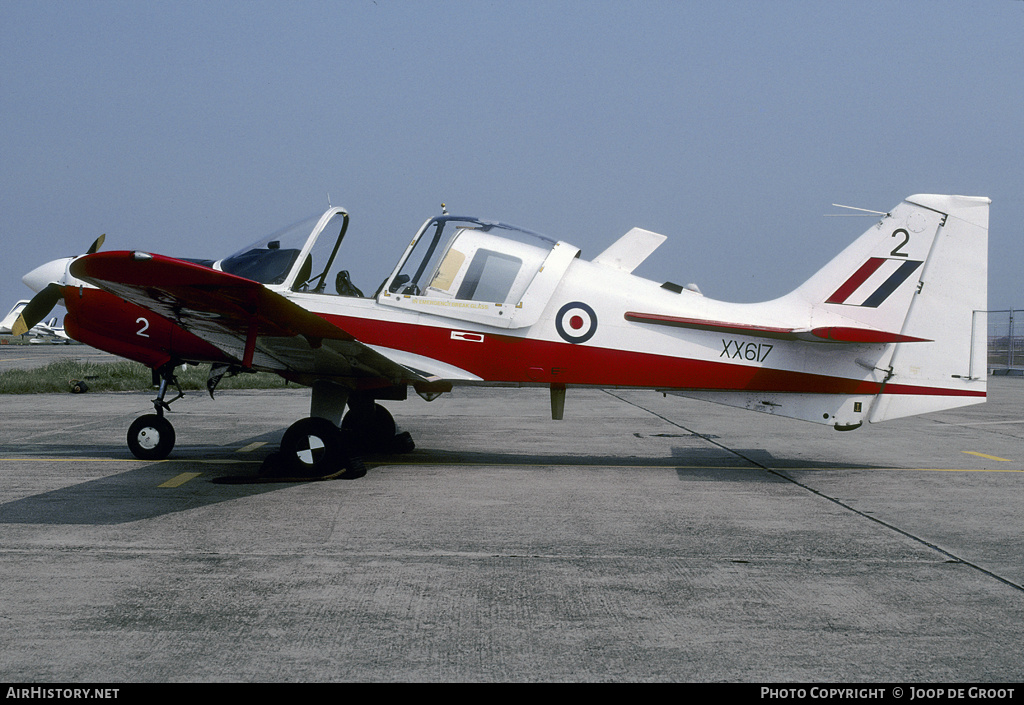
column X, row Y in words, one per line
column 269, row 259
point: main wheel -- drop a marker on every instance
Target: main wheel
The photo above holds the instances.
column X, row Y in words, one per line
column 313, row 447
column 151, row 437
column 373, row 429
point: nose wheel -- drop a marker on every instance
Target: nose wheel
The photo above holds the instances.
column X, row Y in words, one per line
column 151, row 437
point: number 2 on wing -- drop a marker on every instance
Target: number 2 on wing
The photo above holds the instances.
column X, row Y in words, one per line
column 145, row 327
column 896, row 250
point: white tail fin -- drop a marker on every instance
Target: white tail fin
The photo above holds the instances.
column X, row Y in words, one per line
column 10, row 318
column 921, row 272
column 948, row 308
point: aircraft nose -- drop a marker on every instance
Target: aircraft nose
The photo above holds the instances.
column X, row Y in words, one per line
column 44, row 274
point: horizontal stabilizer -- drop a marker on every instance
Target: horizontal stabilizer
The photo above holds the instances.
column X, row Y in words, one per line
column 825, row 334
column 846, row 334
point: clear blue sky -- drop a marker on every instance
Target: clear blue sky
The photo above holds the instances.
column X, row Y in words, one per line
column 191, row 128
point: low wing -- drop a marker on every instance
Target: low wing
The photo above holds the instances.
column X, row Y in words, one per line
column 257, row 327
column 832, row 334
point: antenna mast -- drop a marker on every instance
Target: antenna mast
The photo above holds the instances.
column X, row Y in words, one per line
column 865, row 212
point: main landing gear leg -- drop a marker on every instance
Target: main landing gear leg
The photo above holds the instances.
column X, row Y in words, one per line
column 151, row 437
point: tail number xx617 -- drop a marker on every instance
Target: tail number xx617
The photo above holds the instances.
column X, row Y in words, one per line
column 736, row 350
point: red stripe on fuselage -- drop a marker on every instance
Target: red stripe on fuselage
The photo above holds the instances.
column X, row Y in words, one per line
column 505, row 358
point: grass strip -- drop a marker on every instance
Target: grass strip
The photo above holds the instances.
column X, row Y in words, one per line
column 120, row 376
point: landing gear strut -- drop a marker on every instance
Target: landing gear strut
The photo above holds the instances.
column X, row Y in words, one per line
column 151, row 437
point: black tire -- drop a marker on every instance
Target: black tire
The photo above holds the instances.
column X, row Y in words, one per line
column 151, row 437
column 372, row 431
column 313, row 447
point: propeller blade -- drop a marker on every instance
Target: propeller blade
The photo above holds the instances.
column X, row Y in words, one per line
column 49, row 294
column 97, row 244
column 36, row 310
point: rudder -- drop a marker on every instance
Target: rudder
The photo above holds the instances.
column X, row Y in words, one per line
column 948, row 308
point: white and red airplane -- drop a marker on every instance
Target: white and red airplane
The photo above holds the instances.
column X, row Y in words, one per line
column 893, row 326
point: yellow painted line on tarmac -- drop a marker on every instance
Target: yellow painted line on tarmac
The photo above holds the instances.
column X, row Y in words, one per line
column 962, row 470
column 677, row 468
column 426, row 463
column 910, row 469
column 986, row 456
column 251, row 447
column 850, row 469
column 648, row 466
column 180, row 480
column 82, row 460
column 191, row 461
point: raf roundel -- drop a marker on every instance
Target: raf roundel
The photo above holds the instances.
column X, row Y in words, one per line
column 576, row 322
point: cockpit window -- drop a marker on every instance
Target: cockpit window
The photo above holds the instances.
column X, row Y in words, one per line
column 321, row 270
column 489, row 276
column 302, row 256
column 270, row 259
column 471, row 260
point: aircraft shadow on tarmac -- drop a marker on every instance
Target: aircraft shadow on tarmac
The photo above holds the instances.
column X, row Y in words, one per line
column 137, row 493
column 126, row 497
